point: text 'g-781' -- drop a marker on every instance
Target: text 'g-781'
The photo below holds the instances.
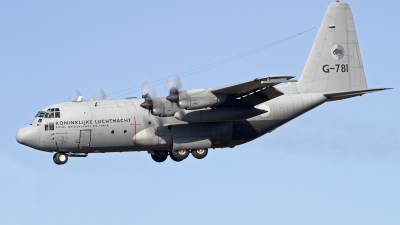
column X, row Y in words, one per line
column 338, row 68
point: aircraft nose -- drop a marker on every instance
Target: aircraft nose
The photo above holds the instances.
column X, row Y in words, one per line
column 28, row 136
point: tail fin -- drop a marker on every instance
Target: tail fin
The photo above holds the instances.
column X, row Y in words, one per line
column 334, row 63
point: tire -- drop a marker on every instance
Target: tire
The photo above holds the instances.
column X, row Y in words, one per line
column 179, row 155
column 174, row 159
column 60, row 158
column 199, row 153
column 159, row 156
column 55, row 159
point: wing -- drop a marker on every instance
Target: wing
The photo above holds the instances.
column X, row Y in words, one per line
column 253, row 85
column 254, row 92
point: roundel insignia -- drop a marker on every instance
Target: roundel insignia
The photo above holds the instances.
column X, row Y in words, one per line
column 337, row 52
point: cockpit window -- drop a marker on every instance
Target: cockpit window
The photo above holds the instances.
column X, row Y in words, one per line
column 40, row 114
column 51, row 113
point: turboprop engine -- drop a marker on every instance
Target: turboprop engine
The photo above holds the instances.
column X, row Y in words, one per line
column 196, row 98
column 157, row 106
column 163, row 107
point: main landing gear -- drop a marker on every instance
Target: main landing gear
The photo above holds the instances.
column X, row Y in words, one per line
column 177, row 156
column 60, row 158
column 159, row 156
column 199, row 153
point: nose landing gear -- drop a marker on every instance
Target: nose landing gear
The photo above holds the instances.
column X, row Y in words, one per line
column 60, row 158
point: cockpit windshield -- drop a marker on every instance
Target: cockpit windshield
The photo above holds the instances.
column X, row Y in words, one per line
column 40, row 114
column 51, row 113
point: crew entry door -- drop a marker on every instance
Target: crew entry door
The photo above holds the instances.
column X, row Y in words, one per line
column 84, row 139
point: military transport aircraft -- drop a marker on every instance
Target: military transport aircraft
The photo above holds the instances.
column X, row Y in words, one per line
column 192, row 121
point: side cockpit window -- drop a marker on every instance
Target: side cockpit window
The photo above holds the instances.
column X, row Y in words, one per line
column 49, row 126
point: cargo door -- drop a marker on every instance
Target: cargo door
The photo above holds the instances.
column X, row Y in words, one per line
column 84, row 139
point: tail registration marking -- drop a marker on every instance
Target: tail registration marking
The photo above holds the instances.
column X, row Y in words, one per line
column 339, row 68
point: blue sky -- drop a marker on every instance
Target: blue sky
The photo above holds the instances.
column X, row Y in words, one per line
column 338, row 164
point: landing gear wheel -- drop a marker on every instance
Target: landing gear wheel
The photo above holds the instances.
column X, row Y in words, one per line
column 159, row 156
column 179, row 155
column 199, row 153
column 60, row 158
column 173, row 158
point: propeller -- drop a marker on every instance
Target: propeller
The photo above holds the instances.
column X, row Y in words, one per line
column 148, row 102
column 173, row 86
column 78, row 95
column 103, row 94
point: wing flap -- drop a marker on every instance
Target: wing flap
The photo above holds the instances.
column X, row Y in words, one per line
column 253, row 98
column 260, row 96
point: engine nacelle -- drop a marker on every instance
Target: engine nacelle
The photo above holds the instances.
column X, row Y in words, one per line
column 163, row 107
column 199, row 98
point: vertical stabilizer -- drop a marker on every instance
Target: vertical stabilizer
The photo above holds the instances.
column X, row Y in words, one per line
column 334, row 63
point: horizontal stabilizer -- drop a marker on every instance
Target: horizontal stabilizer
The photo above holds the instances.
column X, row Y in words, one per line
column 332, row 96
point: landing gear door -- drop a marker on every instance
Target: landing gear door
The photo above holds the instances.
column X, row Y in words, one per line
column 84, row 139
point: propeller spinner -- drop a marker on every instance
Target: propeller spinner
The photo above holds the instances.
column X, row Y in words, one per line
column 173, row 88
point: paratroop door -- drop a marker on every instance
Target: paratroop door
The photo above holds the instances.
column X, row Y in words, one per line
column 84, row 139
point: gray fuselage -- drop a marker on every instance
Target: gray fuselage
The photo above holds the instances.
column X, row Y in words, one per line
column 122, row 125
